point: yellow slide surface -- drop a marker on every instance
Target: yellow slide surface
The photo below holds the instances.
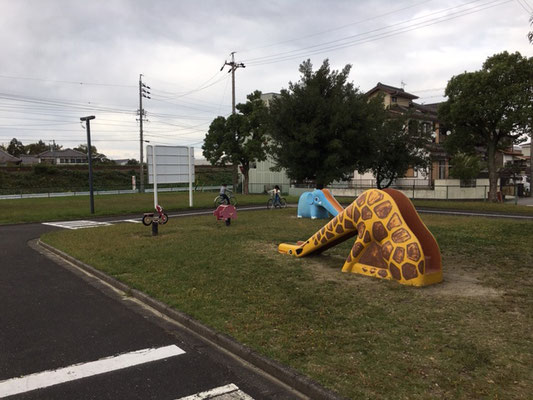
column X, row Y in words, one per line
column 392, row 241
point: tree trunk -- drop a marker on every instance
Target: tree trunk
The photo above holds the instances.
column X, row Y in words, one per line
column 246, row 176
column 235, row 177
column 493, row 176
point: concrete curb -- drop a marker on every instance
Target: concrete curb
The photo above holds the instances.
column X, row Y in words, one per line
column 284, row 374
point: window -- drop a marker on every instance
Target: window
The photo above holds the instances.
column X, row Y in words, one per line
column 442, row 169
column 394, row 99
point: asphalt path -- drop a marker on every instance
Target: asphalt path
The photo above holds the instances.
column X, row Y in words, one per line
column 52, row 317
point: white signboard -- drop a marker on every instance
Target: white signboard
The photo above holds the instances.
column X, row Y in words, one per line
column 171, row 164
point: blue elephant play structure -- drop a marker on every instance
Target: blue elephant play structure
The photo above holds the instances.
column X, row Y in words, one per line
column 319, row 203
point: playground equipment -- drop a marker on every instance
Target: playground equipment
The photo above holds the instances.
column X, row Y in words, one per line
column 318, row 204
column 392, row 241
column 225, row 212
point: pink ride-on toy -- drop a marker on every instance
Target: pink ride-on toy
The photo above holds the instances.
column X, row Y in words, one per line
column 225, row 212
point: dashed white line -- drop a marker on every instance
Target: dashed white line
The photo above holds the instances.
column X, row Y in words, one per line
column 226, row 392
column 45, row 379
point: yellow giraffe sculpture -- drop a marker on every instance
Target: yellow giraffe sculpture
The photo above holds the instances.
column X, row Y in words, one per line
column 392, row 241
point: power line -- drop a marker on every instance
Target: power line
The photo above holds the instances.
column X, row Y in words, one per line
column 337, row 28
column 331, row 46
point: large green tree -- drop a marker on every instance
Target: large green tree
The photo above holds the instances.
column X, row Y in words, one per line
column 15, row 147
column 319, row 125
column 397, row 144
column 96, row 157
column 240, row 138
column 491, row 108
column 36, row 148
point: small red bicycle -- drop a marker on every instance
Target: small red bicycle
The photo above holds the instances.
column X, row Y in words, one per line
column 162, row 216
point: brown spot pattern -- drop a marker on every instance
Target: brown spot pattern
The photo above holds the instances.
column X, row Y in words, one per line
column 413, row 252
column 383, row 210
column 394, row 222
column 372, row 256
column 349, row 210
column 409, row 271
column 398, row 255
column 421, row 266
column 366, row 213
column 374, row 197
column 329, row 235
column 348, row 225
column 395, row 272
column 382, row 273
column 361, row 199
column 400, row 236
column 387, row 250
column 339, row 229
column 356, row 214
column 356, row 249
column 360, row 229
column 367, row 239
column 378, row 231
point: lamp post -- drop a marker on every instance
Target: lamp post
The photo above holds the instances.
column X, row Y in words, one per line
column 89, row 155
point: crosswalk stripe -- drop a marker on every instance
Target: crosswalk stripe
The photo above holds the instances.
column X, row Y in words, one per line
column 230, row 391
column 45, row 379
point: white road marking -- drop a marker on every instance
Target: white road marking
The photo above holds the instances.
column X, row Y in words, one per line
column 77, row 224
column 228, row 392
column 135, row 221
column 45, row 379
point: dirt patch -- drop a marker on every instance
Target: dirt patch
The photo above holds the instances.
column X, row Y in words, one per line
column 461, row 284
column 328, row 268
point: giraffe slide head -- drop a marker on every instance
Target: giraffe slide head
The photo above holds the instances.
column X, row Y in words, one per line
column 391, row 241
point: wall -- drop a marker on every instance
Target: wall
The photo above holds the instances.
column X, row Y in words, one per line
column 262, row 178
column 445, row 189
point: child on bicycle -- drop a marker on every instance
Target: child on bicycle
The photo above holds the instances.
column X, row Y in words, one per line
column 223, row 194
column 275, row 194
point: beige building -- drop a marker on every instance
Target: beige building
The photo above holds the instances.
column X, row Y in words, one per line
column 398, row 101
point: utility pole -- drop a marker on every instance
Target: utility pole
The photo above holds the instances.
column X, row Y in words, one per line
column 143, row 92
column 87, row 120
column 233, row 67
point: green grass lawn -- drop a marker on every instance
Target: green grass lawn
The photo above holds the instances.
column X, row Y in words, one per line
column 76, row 207
column 466, row 338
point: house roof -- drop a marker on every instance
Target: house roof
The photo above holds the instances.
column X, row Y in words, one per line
column 393, row 91
column 418, row 111
column 61, row 153
column 6, row 157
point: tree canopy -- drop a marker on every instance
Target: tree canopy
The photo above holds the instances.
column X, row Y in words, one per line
column 240, row 138
column 96, row 157
column 395, row 146
column 318, row 126
column 491, row 108
column 15, row 147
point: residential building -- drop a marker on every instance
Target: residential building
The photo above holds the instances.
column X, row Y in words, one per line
column 28, row 159
column 8, row 159
column 398, row 101
column 62, row 157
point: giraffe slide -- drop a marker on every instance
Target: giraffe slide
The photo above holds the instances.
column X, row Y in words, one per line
column 391, row 240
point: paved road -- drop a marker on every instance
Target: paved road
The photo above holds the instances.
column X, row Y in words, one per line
column 51, row 318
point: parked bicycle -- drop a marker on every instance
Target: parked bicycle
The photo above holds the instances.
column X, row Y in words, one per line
column 219, row 200
column 162, row 216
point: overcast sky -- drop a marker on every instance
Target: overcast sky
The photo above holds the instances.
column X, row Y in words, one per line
column 64, row 59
